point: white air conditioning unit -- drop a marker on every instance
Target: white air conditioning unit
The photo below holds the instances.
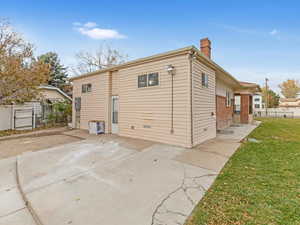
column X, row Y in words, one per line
column 96, row 127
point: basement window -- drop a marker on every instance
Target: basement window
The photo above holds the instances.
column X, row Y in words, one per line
column 86, row 88
column 204, row 77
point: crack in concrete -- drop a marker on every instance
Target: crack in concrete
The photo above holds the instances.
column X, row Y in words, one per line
column 13, row 212
column 161, row 208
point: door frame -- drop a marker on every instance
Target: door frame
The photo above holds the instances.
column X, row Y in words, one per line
column 114, row 126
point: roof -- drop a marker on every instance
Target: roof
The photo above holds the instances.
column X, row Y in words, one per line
column 249, row 85
column 50, row 87
column 289, row 99
column 189, row 49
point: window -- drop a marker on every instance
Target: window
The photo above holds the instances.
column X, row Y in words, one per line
column 142, row 81
column 257, row 106
column 148, row 80
column 89, row 88
column 152, row 79
column 228, row 99
column 204, row 80
column 86, row 88
column 77, row 104
column 256, row 99
column 237, row 104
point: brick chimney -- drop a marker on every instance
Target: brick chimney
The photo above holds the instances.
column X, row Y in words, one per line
column 205, row 46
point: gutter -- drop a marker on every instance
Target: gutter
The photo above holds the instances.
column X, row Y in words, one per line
column 137, row 62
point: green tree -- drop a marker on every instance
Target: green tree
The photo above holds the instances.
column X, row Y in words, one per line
column 273, row 98
column 61, row 112
column 58, row 73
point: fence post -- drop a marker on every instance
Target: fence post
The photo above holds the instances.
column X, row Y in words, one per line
column 33, row 119
column 14, row 119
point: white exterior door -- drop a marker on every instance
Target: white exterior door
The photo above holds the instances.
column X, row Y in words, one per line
column 114, row 114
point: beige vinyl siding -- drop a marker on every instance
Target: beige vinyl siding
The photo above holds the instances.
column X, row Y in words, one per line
column 151, row 106
column 204, row 104
column 94, row 104
column 115, row 83
column 222, row 87
column 52, row 94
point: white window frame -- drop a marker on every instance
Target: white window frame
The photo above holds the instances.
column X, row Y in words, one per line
column 147, row 80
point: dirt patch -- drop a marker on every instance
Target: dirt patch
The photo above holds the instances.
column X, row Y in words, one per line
column 13, row 147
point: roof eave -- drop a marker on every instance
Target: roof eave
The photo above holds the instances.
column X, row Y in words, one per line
column 137, row 61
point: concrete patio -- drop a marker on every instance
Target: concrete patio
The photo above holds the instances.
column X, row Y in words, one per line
column 111, row 180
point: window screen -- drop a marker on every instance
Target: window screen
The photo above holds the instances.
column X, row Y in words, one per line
column 153, row 79
column 142, row 81
column 204, row 80
column 86, row 88
column 83, row 88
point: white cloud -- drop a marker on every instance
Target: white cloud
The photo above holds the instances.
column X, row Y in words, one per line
column 90, row 24
column 274, row 32
column 91, row 30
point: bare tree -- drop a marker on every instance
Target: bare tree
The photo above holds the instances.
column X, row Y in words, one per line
column 20, row 73
column 104, row 57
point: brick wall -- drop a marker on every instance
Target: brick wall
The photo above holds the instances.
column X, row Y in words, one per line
column 224, row 114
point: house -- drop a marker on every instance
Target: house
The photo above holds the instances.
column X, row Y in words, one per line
column 258, row 102
column 53, row 94
column 180, row 97
column 289, row 102
column 30, row 114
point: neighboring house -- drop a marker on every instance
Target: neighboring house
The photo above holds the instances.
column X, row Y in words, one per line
column 48, row 95
column 289, row 102
column 179, row 97
column 244, row 102
column 31, row 114
column 53, row 94
column 258, row 102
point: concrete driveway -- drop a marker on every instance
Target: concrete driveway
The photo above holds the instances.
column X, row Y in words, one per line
column 109, row 180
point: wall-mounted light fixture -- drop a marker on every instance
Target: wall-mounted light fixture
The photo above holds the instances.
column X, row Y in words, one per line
column 171, row 69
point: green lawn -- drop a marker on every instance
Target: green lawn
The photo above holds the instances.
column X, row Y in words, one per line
column 261, row 182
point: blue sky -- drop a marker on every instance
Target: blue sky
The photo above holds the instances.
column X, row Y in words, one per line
column 251, row 39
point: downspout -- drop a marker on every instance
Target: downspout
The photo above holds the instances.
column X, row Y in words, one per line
column 191, row 57
column 172, row 104
column 171, row 71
